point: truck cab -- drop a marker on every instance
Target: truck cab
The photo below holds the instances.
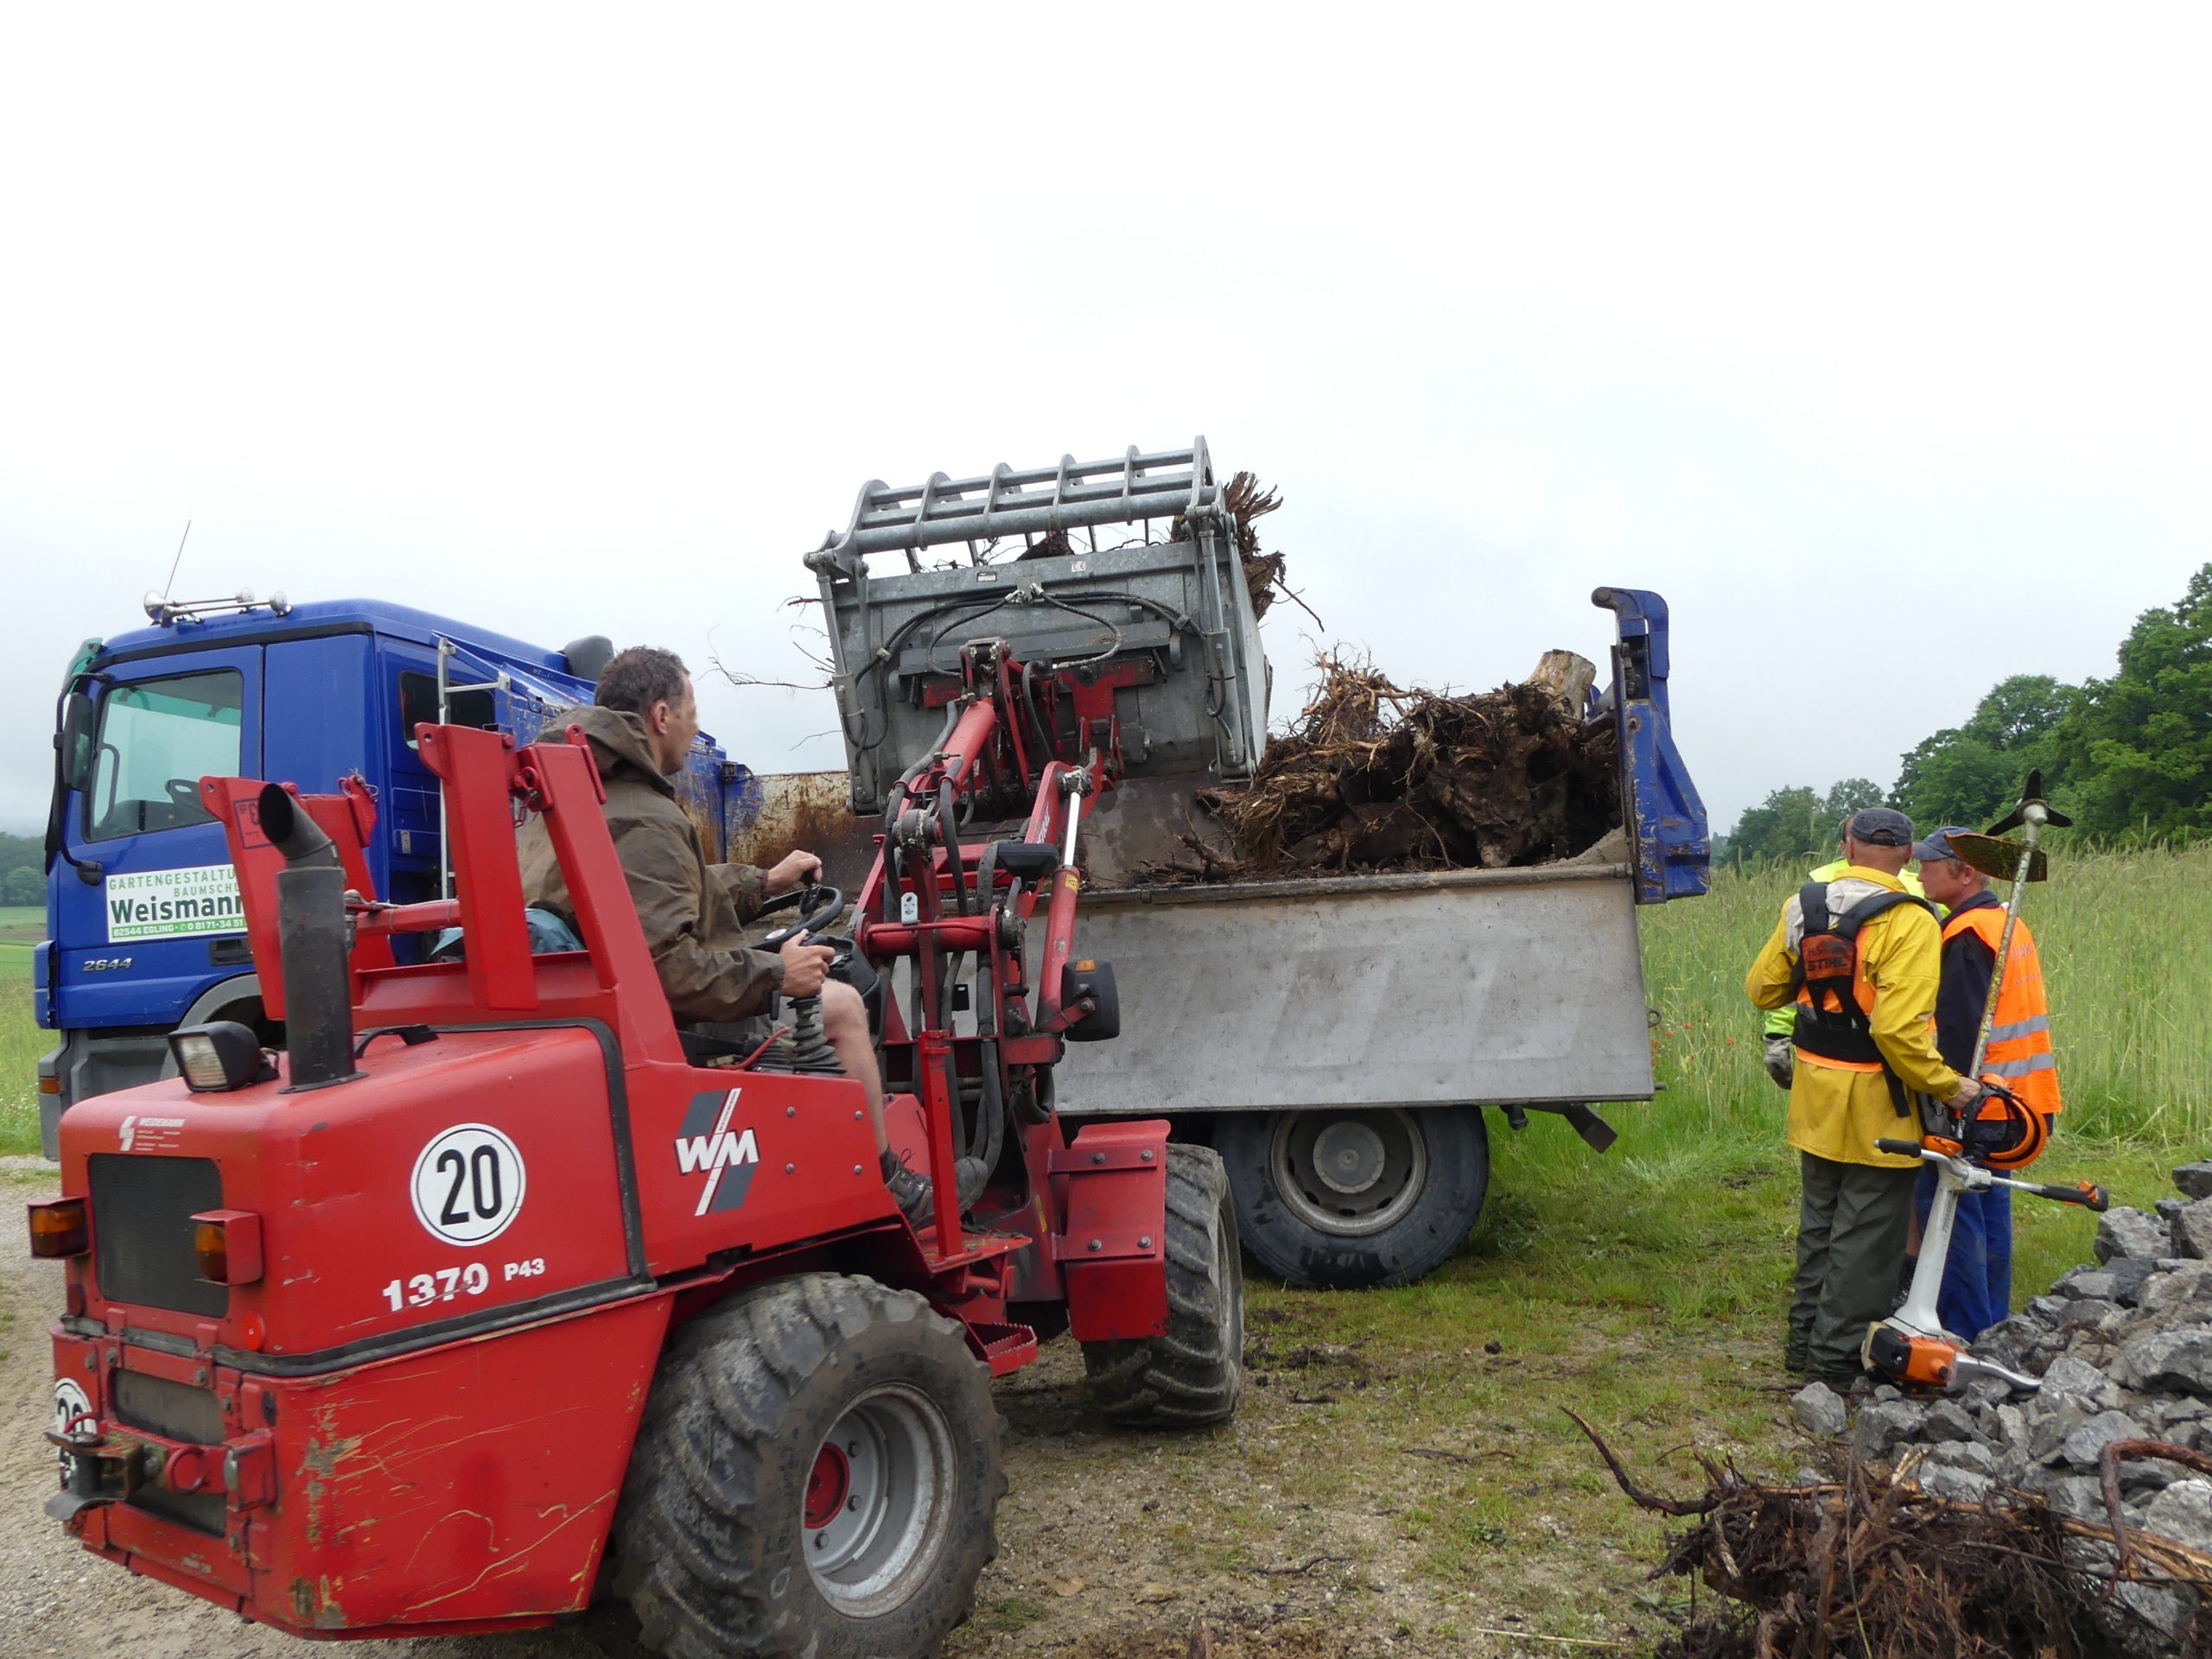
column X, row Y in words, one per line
column 144, row 927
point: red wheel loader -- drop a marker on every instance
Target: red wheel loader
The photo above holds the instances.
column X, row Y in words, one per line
column 498, row 1290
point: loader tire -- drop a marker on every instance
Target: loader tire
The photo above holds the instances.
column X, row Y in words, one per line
column 1340, row 1200
column 816, row 1474
column 1192, row 1375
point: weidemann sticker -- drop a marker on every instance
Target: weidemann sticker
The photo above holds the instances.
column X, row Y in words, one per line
column 172, row 904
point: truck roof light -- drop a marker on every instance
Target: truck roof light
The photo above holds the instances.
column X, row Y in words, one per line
column 228, row 1245
column 59, row 1228
column 219, row 1055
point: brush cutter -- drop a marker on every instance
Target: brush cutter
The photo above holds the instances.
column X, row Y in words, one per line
column 1967, row 1148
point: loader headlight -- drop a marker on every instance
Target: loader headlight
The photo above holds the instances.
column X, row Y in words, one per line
column 227, row 1245
column 219, row 1055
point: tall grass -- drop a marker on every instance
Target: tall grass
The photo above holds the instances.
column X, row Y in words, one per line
column 2126, row 944
column 21, row 1042
column 2127, row 941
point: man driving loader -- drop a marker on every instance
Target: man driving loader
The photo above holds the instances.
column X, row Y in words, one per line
column 640, row 726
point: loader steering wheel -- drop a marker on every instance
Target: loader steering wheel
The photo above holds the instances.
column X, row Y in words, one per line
column 821, row 906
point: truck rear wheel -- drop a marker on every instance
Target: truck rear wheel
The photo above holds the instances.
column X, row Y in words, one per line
column 1344, row 1200
column 817, row 1473
column 1192, row 1375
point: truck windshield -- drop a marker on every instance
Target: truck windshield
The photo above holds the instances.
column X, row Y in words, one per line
column 157, row 738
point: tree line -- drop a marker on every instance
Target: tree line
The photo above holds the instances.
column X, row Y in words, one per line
column 22, row 870
column 2129, row 758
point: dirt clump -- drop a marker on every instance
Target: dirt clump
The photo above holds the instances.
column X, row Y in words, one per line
column 1377, row 777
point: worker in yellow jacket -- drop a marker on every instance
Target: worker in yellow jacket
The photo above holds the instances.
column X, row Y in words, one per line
column 1861, row 959
column 1781, row 1025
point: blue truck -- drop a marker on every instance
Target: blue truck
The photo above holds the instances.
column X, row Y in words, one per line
column 143, row 918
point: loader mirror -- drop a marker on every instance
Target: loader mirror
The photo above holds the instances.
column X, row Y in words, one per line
column 78, row 721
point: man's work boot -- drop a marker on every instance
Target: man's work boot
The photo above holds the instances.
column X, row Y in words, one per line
column 913, row 1195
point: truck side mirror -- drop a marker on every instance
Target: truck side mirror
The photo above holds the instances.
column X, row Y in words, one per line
column 79, row 722
column 588, row 656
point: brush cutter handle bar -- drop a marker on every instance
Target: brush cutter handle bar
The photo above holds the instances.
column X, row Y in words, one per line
column 1901, row 1149
column 2086, row 1194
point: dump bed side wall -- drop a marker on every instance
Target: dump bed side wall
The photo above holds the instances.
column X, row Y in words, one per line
column 1464, row 986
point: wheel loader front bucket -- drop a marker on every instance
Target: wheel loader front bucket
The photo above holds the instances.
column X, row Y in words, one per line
column 1088, row 566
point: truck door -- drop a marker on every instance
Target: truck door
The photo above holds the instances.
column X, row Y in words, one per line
column 136, row 943
column 410, row 819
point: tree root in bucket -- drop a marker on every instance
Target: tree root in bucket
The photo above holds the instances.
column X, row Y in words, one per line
column 1377, row 777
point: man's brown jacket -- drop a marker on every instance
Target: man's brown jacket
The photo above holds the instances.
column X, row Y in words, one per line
column 691, row 910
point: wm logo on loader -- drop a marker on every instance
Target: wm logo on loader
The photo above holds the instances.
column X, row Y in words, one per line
column 706, row 1142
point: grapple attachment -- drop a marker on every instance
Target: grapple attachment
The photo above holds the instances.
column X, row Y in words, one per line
column 1156, row 608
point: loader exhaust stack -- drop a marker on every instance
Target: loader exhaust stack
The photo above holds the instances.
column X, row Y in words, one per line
column 311, row 933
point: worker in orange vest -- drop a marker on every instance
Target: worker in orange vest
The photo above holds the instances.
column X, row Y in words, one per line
column 1978, row 1277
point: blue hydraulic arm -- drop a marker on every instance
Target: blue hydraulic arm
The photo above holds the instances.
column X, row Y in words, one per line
column 1659, row 804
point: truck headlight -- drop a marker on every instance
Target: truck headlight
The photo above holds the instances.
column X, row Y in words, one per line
column 219, row 1055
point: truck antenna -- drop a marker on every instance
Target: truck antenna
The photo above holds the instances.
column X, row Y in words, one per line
column 173, row 563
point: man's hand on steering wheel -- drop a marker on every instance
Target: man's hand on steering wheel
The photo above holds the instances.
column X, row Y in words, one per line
column 791, row 869
column 805, row 966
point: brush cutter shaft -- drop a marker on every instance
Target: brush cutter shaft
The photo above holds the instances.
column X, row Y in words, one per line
column 1973, row 1178
column 2032, row 816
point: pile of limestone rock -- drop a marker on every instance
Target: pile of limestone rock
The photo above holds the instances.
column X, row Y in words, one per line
column 2124, row 1349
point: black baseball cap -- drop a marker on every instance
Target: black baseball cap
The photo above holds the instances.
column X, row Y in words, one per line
column 1879, row 826
column 1939, row 844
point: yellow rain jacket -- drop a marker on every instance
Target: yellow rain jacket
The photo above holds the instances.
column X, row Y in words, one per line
column 1778, row 1023
column 1838, row 1114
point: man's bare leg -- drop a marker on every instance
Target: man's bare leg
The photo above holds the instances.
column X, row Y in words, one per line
column 844, row 1022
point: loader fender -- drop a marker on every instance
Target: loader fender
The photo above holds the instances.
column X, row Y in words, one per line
column 1111, row 1193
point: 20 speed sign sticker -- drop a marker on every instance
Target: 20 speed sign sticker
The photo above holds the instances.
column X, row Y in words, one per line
column 71, row 1405
column 469, row 1184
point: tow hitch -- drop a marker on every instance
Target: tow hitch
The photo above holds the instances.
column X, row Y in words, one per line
column 113, row 1467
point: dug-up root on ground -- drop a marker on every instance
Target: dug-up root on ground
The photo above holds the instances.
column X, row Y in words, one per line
column 1867, row 1566
column 1373, row 776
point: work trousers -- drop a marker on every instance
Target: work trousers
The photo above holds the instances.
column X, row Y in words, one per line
column 1978, row 1274
column 1851, row 1222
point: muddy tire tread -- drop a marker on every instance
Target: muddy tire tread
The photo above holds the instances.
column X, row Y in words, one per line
column 690, row 1557
column 1192, row 1376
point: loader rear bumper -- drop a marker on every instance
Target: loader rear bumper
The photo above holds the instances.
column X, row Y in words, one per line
column 467, row 1487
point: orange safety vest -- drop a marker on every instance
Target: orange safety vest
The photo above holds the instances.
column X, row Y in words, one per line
column 2019, row 1054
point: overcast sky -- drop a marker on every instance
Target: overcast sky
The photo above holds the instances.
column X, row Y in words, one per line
column 1875, row 340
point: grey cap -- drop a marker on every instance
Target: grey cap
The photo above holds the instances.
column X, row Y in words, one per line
column 1879, row 826
column 1939, row 844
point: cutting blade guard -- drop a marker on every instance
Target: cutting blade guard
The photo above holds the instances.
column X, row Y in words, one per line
column 1124, row 570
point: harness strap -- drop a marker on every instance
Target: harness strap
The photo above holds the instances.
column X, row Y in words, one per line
column 1844, row 1031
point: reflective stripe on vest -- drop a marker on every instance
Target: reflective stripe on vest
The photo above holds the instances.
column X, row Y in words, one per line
column 2019, row 1053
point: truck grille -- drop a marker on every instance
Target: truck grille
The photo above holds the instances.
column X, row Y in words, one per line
column 142, row 1230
